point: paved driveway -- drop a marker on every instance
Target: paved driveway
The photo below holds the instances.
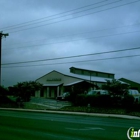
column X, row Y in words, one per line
column 49, row 103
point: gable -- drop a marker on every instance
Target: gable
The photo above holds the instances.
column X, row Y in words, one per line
column 52, row 77
column 55, row 77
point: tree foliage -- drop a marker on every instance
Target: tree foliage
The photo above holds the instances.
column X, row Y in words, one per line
column 24, row 90
column 4, row 100
column 116, row 88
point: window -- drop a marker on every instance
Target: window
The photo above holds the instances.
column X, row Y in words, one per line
column 82, row 72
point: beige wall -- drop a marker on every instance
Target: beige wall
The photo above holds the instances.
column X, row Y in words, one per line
column 50, row 78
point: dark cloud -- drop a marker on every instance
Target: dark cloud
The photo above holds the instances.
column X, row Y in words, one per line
column 103, row 30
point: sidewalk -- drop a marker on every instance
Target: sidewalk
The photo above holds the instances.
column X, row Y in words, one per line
column 74, row 113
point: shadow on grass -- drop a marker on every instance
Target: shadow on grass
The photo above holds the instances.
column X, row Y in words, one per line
column 6, row 102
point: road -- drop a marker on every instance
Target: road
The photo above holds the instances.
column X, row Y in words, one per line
column 18, row 125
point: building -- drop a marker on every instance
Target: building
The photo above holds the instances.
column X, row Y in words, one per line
column 56, row 83
column 91, row 73
column 133, row 85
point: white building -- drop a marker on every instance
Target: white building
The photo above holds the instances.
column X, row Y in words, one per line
column 56, row 83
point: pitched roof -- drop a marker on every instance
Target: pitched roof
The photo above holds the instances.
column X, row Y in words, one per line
column 88, row 78
column 80, row 77
column 129, row 81
column 90, row 70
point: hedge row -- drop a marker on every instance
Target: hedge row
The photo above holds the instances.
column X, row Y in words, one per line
column 103, row 100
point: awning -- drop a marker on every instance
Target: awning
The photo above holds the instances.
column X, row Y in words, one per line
column 69, row 84
column 52, row 85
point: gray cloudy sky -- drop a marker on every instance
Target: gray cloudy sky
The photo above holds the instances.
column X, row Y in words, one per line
column 47, row 29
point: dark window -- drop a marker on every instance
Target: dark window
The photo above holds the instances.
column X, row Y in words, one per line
column 82, row 71
column 72, row 70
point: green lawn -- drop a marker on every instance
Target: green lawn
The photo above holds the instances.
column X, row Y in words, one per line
column 105, row 110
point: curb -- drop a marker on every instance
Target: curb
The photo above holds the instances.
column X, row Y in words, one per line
column 74, row 113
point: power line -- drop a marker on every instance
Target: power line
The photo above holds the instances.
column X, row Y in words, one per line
column 74, row 40
column 53, row 15
column 14, row 26
column 109, row 58
column 77, row 34
column 76, row 17
column 58, row 58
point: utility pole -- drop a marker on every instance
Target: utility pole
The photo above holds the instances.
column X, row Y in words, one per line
column 90, row 80
column 1, row 35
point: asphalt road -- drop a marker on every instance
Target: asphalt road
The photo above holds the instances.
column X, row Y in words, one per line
column 18, row 125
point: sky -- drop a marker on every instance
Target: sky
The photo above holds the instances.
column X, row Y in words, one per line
column 46, row 35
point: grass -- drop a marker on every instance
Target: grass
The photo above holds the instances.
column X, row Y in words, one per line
column 10, row 103
column 104, row 110
column 28, row 105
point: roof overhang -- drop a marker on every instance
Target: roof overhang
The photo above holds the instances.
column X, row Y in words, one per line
column 70, row 84
column 52, row 85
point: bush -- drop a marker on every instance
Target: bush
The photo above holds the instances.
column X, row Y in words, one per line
column 104, row 100
column 6, row 102
column 80, row 100
column 128, row 101
column 92, row 100
column 98, row 100
column 116, row 101
column 3, row 91
column 24, row 90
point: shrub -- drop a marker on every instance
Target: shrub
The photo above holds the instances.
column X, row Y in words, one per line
column 116, row 101
column 92, row 100
column 104, row 100
column 80, row 100
column 6, row 102
column 128, row 101
column 98, row 100
column 3, row 91
column 24, row 90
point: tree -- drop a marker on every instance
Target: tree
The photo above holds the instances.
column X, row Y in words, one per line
column 116, row 88
column 24, row 90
